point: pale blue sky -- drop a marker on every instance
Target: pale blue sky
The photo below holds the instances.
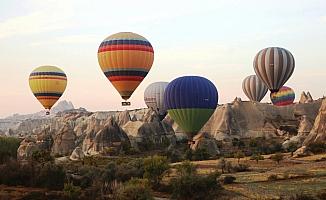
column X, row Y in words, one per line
column 215, row 39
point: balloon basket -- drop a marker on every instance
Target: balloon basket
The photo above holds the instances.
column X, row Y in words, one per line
column 126, row 103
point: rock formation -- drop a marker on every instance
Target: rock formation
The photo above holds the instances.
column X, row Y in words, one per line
column 305, row 98
column 110, row 136
column 26, row 149
column 318, row 132
column 64, row 141
column 99, row 131
column 204, row 141
column 77, row 154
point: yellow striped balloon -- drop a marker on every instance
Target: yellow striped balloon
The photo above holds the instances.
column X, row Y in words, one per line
column 47, row 84
column 125, row 59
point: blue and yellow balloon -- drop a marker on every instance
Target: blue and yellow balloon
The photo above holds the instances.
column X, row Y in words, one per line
column 190, row 101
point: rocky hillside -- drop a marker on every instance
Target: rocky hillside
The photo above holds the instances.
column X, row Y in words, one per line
column 93, row 133
column 21, row 122
column 111, row 132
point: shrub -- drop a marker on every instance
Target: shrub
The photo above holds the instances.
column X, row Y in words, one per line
column 8, row 148
column 256, row 157
column 317, row 147
column 238, row 143
column 51, row 176
column 154, row 168
column 292, row 147
column 240, row 168
column 200, row 154
column 70, row 191
column 137, row 189
column 276, row 147
column 186, row 168
column 90, row 174
column 272, row 177
column 239, row 155
column 277, row 157
column 42, row 156
column 190, row 187
column 132, row 169
column 12, row 173
column 228, row 179
column 174, row 155
column 188, row 154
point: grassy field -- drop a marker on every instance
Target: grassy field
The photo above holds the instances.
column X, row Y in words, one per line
column 302, row 175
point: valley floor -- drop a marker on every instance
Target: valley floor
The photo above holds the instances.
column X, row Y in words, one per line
column 305, row 175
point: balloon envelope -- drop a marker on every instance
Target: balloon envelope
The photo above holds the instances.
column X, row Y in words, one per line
column 285, row 96
column 254, row 88
column 190, row 101
column 125, row 59
column 274, row 66
column 47, row 84
column 154, row 97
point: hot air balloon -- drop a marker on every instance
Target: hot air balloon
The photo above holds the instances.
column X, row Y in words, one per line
column 274, row 66
column 125, row 59
column 285, row 96
column 154, row 97
column 254, row 88
column 190, row 101
column 47, row 84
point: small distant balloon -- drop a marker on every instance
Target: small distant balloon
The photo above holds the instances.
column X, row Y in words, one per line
column 254, row 88
column 154, row 97
column 47, row 84
column 285, row 96
column 125, row 59
column 274, row 66
column 190, row 101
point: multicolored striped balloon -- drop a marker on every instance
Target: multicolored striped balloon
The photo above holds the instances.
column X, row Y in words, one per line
column 274, row 66
column 190, row 101
column 47, row 84
column 285, row 96
column 125, row 59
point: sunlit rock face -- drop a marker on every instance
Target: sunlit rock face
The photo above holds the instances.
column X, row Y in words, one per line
column 64, row 141
column 318, row 132
column 246, row 119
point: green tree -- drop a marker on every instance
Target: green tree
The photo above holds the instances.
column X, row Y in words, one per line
column 277, row 157
column 51, row 176
column 239, row 154
column 136, row 189
column 154, row 167
column 257, row 157
column 192, row 187
column 109, row 175
column 188, row 154
column 200, row 154
column 186, row 168
column 71, row 192
column 41, row 156
column 292, row 147
column 8, row 148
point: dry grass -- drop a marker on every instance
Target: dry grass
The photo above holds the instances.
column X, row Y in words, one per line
column 300, row 175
